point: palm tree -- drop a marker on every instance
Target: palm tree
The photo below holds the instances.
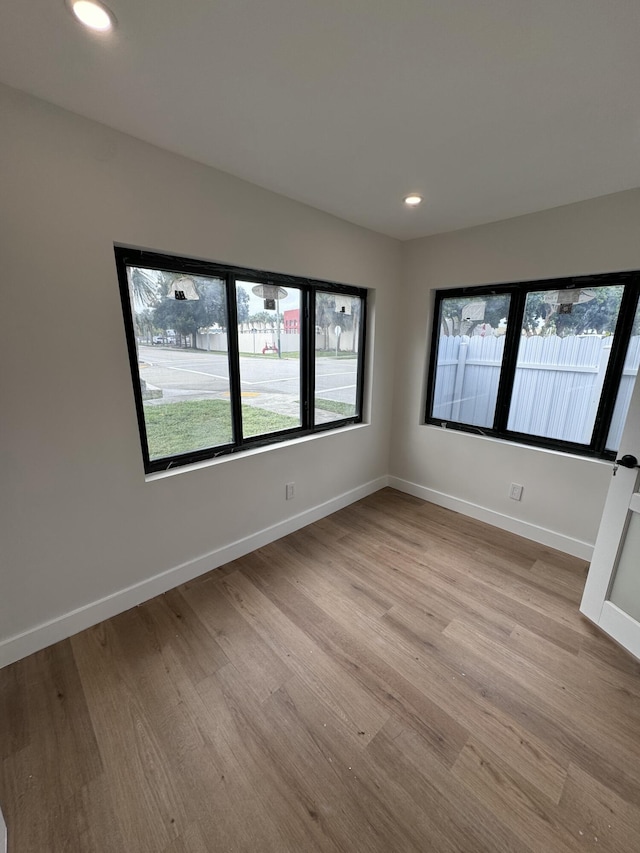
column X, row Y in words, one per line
column 144, row 287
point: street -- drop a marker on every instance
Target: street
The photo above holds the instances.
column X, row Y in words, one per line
column 271, row 382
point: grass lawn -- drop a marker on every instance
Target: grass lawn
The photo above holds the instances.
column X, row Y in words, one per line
column 270, row 356
column 189, row 425
column 174, row 428
column 345, row 410
column 331, row 353
column 320, row 353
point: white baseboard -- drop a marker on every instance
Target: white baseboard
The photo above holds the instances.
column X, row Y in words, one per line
column 550, row 538
column 19, row 646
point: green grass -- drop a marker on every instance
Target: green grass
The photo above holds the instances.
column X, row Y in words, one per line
column 347, row 410
column 271, row 356
column 331, row 353
column 320, row 353
column 174, row 428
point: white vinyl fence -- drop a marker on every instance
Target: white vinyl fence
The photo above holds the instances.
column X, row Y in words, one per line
column 557, row 385
column 256, row 342
column 249, row 342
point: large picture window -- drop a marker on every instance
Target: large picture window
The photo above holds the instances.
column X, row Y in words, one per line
column 224, row 359
column 550, row 363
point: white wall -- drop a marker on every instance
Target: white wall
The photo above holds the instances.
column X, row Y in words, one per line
column 563, row 495
column 78, row 520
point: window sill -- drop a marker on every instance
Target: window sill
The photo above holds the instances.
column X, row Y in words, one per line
column 253, row 451
column 521, row 445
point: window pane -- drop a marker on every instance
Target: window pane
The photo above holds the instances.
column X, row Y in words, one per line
column 337, row 342
column 182, row 360
column 470, row 346
column 562, row 359
column 625, row 592
column 269, row 344
column 627, row 381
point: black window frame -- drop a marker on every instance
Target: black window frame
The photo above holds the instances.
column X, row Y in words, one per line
column 518, row 292
column 132, row 257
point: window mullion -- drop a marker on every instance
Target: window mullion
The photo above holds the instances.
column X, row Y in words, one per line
column 509, row 358
column 234, row 360
column 613, row 375
column 361, row 358
column 308, row 348
column 433, row 355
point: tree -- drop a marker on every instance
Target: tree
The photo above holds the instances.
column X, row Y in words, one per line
column 541, row 317
column 188, row 316
column 144, row 324
column 356, row 313
column 325, row 314
column 242, row 302
column 598, row 315
column 492, row 309
column 144, row 287
column 329, row 314
column 263, row 318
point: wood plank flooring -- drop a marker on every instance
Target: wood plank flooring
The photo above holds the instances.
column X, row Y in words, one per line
column 393, row 678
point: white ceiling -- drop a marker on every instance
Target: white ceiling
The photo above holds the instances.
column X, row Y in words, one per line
column 489, row 108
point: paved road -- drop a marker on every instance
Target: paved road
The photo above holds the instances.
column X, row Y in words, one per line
column 185, row 374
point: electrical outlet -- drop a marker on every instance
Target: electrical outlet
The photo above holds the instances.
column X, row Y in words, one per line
column 515, row 492
column 290, row 491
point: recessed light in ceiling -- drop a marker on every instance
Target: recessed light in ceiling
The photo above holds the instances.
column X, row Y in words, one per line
column 93, row 15
column 413, row 200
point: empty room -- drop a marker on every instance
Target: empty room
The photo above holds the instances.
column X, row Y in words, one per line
column 320, row 427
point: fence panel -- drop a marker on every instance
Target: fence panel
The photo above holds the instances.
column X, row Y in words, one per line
column 554, row 387
column 448, row 355
column 557, row 385
column 481, row 378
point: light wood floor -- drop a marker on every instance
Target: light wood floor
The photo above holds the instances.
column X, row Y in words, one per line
column 395, row 677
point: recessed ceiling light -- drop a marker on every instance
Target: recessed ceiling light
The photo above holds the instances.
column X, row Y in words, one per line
column 413, row 200
column 93, row 15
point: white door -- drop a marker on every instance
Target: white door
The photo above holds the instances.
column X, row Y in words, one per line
column 612, row 593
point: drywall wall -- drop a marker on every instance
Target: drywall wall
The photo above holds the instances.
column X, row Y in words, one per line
column 563, row 495
column 82, row 533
